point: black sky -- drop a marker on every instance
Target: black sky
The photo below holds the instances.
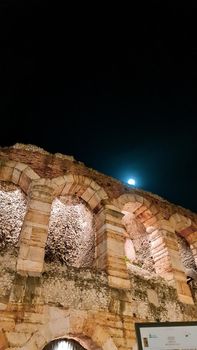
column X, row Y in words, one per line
column 116, row 90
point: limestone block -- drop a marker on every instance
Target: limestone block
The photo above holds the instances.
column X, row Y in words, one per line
column 31, row 268
column 113, row 227
column 41, row 193
column 24, row 182
column 114, row 247
column 36, row 254
column 37, row 217
column 39, row 236
column 153, row 297
column 75, row 188
column 165, row 225
column 88, row 194
column 31, row 174
column 117, row 282
column 126, row 308
column 21, row 166
column 40, row 206
column 113, row 219
column 95, row 186
column 118, row 272
column 59, row 181
column 5, row 173
column 176, row 262
column 87, row 181
column 94, row 201
column 69, row 178
column 102, row 194
column 16, row 176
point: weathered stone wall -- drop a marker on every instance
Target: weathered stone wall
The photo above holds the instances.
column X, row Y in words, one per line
column 12, row 212
column 31, row 305
column 71, row 235
column 84, row 288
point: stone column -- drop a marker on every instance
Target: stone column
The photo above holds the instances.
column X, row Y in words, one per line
column 110, row 254
column 168, row 263
column 34, row 231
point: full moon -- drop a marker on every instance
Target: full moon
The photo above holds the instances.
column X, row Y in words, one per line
column 131, row 182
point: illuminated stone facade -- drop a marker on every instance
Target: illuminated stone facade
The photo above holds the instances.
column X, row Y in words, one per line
column 84, row 257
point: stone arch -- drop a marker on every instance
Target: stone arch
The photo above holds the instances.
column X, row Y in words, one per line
column 185, row 228
column 87, row 190
column 18, row 173
column 35, row 231
column 147, row 213
column 81, row 186
column 163, row 242
column 76, row 326
column 139, row 215
column 21, row 175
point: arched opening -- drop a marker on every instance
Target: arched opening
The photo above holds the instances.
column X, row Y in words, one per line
column 188, row 263
column 13, row 206
column 64, row 344
column 137, row 247
column 71, row 238
column 186, row 253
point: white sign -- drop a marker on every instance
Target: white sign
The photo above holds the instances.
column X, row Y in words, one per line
column 167, row 336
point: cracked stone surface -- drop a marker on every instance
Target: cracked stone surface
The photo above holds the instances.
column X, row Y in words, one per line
column 71, row 233
column 13, row 206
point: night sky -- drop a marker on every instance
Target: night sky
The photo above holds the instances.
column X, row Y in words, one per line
column 118, row 90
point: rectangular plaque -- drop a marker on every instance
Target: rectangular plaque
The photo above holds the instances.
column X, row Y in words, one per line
column 167, row 336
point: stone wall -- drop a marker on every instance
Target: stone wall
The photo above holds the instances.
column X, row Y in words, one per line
column 12, row 212
column 36, row 310
column 71, row 233
column 67, row 276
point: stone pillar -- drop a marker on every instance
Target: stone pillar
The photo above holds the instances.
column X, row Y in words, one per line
column 168, row 263
column 34, row 231
column 110, row 255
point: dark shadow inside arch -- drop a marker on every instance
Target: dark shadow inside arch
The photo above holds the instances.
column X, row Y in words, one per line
column 64, row 344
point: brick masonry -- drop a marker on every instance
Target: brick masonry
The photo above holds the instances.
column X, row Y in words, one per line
column 98, row 303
